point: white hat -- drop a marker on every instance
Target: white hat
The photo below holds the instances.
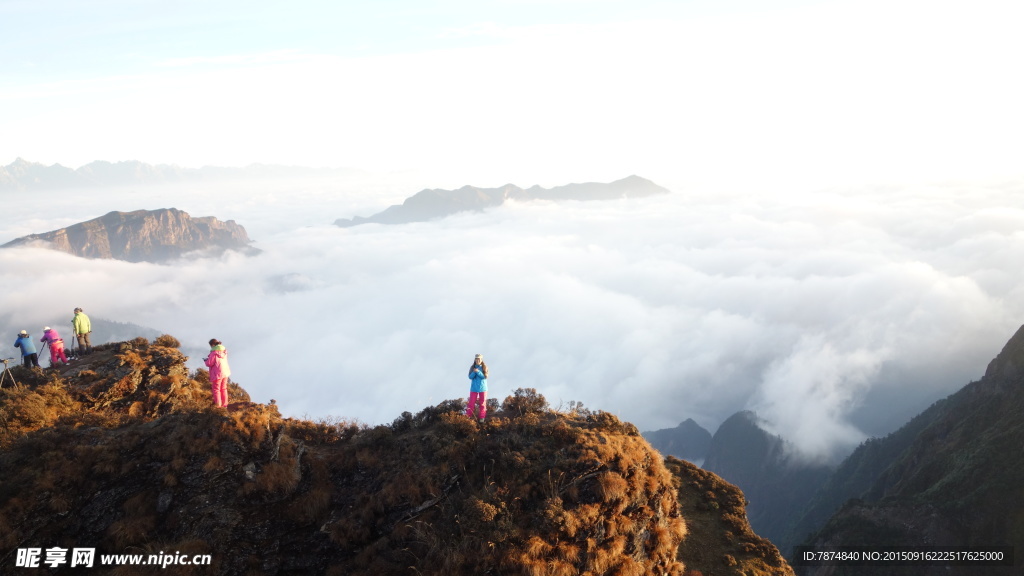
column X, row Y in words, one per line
column 23, row 333
column 45, row 328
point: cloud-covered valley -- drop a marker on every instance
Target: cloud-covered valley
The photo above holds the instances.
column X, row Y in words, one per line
column 835, row 314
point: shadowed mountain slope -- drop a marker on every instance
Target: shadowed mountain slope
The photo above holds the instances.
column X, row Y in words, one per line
column 123, row 451
column 953, row 476
column 431, row 204
column 689, row 441
column 142, row 236
column 776, row 482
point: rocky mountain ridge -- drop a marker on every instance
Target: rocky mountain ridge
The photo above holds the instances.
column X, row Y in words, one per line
column 953, row 476
column 142, row 236
column 775, row 480
column 123, row 451
column 430, row 204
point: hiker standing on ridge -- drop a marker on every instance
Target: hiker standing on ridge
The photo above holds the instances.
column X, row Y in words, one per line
column 217, row 361
column 51, row 338
column 478, row 388
column 82, row 328
column 28, row 350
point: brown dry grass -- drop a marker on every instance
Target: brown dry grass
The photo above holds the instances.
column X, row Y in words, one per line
column 128, row 453
column 720, row 540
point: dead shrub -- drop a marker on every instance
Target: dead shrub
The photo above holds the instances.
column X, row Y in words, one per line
column 524, row 401
column 629, row 567
column 311, row 506
column 480, row 511
column 613, row 486
column 167, row 341
column 456, row 425
column 277, row 478
column 536, row 547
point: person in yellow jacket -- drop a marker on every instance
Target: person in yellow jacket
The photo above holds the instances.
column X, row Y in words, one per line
column 82, row 328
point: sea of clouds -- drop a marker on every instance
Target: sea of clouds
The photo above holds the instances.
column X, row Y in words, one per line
column 835, row 314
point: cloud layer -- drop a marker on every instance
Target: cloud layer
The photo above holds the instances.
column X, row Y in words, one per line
column 834, row 314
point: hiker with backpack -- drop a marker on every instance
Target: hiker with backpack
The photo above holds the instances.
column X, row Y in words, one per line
column 478, row 389
column 28, row 350
column 52, row 339
column 217, row 361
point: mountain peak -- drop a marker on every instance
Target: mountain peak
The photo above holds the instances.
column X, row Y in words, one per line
column 145, row 462
column 1009, row 363
column 142, row 236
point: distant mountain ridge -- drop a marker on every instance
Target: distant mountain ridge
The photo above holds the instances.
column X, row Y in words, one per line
column 22, row 175
column 142, row 236
column 689, row 441
column 430, row 204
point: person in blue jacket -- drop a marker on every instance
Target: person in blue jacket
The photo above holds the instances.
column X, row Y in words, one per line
column 28, row 350
column 478, row 389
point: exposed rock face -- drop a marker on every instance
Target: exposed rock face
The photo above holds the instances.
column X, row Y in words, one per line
column 143, row 236
column 431, row 204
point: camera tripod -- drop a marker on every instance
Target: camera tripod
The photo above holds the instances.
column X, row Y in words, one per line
column 7, row 373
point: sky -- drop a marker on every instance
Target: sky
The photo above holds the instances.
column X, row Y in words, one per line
column 838, row 250
column 806, row 92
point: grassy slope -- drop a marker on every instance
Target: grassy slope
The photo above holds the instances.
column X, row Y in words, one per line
column 122, row 451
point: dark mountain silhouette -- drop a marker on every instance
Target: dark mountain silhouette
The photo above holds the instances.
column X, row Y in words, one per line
column 142, row 236
column 855, row 476
column 23, row 175
column 953, row 476
column 776, row 481
column 688, row 441
column 122, row 451
column 431, row 204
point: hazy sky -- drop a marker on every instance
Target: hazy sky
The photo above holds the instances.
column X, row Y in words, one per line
column 521, row 90
column 840, row 248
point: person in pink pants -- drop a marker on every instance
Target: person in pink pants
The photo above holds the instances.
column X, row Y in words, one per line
column 217, row 361
column 478, row 389
column 51, row 338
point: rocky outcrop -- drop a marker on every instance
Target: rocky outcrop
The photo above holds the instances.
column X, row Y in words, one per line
column 142, row 236
column 123, row 452
column 431, row 204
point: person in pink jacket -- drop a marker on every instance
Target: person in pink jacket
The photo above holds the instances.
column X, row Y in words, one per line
column 217, row 361
column 51, row 338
